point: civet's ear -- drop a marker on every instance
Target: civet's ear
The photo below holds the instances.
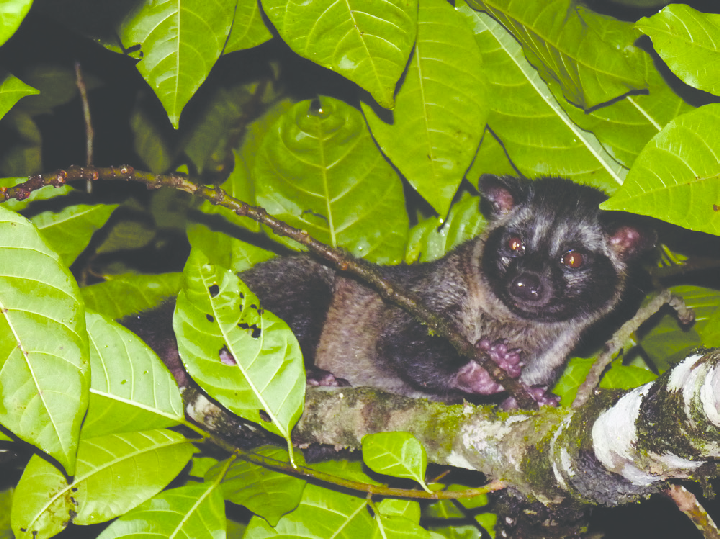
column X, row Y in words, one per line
column 502, row 193
column 628, row 235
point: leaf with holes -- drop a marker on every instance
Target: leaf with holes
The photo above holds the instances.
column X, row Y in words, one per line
column 44, row 374
column 319, row 169
column 441, row 107
column 243, row 356
column 180, row 41
column 366, row 41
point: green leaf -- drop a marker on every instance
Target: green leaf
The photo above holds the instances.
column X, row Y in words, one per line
column 12, row 89
column 352, row 470
column 22, row 154
column 12, row 13
column 114, row 474
column 119, row 471
column 332, row 515
column 687, row 41
column 130, row 389
column 69, row 230
column 122, row 295
column 368, row 42
column 434, row 237
column 195, row 511
column 573, row 375
column 625, row 126
column 265, row 492
column 407, row 509
column 319, row 170
column 626, row 376
column 537, row 134
column 562, row 46
column 44, row 372
column 398, row 527
column 248, row 28
column 446, row 515
column 491, row 157
column 69, row 225
column 246, row 358
column 675, row 177
column 398, row 454
column 153, row 138
column 180, row 42
column 441, row 107
column 6, row 497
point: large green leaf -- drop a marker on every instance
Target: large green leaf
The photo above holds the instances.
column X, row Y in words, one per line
column 69, row 225
column 263, row 491
column 12, row 13
column 689, row 43
column 440, row 110
column 130, row 389
column 114, row 474
column 538, row 135
column 366, row 41
column 195, row 511
column 558, row 41
column 319, row 170
column 677, row 176
column 332, row 514
column 401, row 518
column 44, row 372
column 180, row 41
column 248, row 28
column 69, row 230
column 625, row 126
column 122, row 295
column 243, row 356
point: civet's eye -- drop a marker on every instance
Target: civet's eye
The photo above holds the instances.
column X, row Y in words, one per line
column 516, row 245
column 573, row 259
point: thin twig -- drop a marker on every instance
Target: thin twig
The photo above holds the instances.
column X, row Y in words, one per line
column 615, row 344
column 688, row 504
column 341, row 260
column 89, row 131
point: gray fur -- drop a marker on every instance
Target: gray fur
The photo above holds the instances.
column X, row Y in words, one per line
column 530, row 297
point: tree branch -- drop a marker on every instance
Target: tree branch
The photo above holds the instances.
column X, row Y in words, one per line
column 341, row 260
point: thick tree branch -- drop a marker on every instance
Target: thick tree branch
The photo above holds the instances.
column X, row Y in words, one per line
column 618, row 448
